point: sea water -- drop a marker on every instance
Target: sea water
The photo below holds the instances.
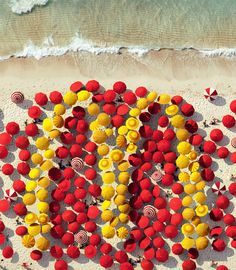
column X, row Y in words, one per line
column 39, row 28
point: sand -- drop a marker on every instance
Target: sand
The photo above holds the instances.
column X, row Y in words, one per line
column 165, row 72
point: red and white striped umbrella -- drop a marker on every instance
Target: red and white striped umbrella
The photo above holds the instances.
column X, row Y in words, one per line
column 210, row 94
column 218, row 188
column 81, row 237
column 77, row 164
column 233, row 142
column 157, row 176
column 149, row 211
column 17, row 97
column 10, row 195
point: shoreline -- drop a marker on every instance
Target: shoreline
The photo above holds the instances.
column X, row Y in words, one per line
column 167, row 70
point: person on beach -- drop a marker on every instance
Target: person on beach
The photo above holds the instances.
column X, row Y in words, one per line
column 205, row 125
column 214, row 121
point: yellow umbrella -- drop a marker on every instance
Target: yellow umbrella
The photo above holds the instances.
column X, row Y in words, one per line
column 184, row 147
column 116, row 155
column 83, row 95
column 132, row 123
column 187, row 229
column 121, row 141
column 178, row 121
column 172, row 110
column 201, row 243
column 201, row 210
column 133, row 136
column 103, row 149
column 103, row 119
column 59, row 109
column 108, row 177
column 107, row 192
column 152, row 96
column 42, row 243
column 93, row 109
column 142, row 103
column 108, row 231
column 70, row 98
column 122, row 232
column 99, row 136
column 122, row 130
column 187, row 243
column 104, row 164
column 135, row 112
column 28, row 241
column 164, row 99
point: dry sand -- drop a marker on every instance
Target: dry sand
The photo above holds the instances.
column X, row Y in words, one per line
column 165, row 72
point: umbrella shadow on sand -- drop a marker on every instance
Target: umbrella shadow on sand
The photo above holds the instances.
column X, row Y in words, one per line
column 220, row 101
column 1, row 122
column 25, row 104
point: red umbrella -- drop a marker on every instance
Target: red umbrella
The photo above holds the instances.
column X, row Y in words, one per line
column 10, row 195
column 218, row 188
column 210, row 94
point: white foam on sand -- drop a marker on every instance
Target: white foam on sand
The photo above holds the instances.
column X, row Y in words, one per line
column 25, row 6
column 77, row 44
column 224, row 52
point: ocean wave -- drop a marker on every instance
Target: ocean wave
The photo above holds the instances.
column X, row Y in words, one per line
column 79, row 44
column 25, row 6
column 224, row 52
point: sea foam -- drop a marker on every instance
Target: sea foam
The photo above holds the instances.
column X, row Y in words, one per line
column 25, row 6
column 77, row 44
column 224, row 52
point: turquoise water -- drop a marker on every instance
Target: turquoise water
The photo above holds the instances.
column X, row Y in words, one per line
column 137, row 24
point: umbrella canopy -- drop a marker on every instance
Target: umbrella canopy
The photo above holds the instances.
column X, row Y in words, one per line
column 81, row 237
column 157, row 176
column 218, row 188
column 10, row 195
column 149, row 211
column 210, row 94
column 17, row 97
column 77, row 164
column 233, row 142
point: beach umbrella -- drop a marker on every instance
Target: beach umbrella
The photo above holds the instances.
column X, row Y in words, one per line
column 77, row 163
column 233, row 142
column 73, row 252
column 233, row 106
column 218, row 188
column 7, row 252
column 60, row 264
column 222, row 202
column 90, row 251
column 17, row 97
column 177, row 249
column 36, row 255
column 232, row 189
column 149, row 211
column 210, row 94
column 157, row 176
column 228, row 121
column 81, row 237
column 4, row 205
column 10, row 195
